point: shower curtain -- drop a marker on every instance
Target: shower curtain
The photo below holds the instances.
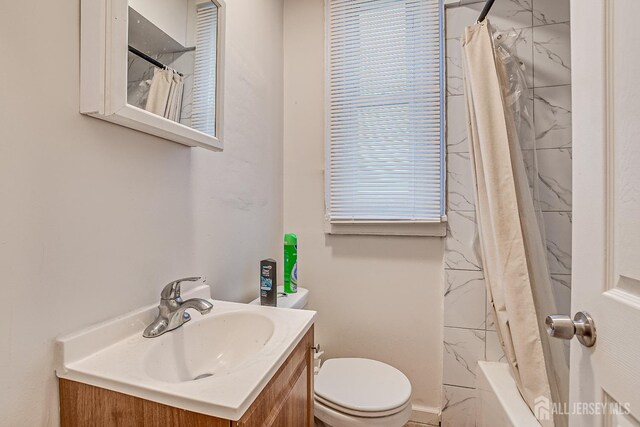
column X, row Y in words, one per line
column 511, row 244
column 165, row 94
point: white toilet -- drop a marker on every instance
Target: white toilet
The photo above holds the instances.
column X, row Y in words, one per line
column 355, row 392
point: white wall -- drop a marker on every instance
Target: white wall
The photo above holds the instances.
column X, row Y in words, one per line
column 95, row 218
column 378, row 297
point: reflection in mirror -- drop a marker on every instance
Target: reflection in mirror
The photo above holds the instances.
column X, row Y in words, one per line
column 173, row 60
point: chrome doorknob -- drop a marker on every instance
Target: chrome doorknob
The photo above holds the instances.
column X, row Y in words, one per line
column 582, row 326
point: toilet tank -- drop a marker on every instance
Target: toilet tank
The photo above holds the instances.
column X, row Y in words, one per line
column 297, row 300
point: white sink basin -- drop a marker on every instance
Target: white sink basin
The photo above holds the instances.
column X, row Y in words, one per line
column 218, row 344
column 215, row 364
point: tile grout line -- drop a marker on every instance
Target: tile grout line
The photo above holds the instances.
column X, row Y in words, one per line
column 467, row 329
column 459, row 386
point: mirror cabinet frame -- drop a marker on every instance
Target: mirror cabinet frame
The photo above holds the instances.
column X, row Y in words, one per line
column 103, row 75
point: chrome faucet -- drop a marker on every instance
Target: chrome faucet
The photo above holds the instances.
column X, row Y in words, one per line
column 172, row 309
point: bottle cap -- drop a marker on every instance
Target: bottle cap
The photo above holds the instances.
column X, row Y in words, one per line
column 290, row 239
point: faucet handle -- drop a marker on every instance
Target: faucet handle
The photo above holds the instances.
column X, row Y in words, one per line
column 172, row 290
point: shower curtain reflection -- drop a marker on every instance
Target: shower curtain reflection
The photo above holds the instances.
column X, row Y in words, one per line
column 165, row 94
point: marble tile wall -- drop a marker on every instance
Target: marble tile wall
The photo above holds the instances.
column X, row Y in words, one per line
column 541, row 29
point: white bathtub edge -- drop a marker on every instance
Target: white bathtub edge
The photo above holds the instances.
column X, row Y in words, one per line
column 499, row 403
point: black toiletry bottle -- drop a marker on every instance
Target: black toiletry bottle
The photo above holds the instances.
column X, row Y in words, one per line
column 268, row 282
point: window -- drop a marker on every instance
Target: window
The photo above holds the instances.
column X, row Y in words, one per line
column 384, row 115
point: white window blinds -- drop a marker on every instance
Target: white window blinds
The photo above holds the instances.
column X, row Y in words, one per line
column 384, row 111
column 203, row 117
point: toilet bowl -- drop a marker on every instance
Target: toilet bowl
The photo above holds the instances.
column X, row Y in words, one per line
column 355, row 392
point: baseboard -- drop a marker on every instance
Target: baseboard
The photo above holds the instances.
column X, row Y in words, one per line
column 425, row 415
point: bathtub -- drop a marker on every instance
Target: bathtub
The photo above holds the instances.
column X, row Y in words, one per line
column 498, row 400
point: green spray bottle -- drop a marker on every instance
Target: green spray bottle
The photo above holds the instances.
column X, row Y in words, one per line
column 290, row 263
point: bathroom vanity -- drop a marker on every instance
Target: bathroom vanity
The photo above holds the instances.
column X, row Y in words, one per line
column 240, row 365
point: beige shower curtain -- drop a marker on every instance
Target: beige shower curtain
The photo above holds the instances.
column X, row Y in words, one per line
column 165, row 94
column 512, row 248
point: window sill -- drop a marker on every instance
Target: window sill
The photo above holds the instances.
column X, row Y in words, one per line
column 388, row 228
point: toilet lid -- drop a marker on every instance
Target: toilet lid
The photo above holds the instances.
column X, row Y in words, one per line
column 362, row 385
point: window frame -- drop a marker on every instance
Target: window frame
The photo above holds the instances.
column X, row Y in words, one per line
column 436, row 228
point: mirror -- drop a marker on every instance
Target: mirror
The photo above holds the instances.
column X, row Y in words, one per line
column 171, row 68
column 155, row 66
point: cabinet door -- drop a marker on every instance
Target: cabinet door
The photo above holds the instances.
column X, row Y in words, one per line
column 295, row 411
column 287, row 401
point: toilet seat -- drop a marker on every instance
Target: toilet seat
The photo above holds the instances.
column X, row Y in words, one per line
column 333, row 418
column 361, row 414
column 362, row 387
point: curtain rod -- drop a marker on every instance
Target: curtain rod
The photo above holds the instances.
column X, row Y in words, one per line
column 151, row 60
column 485, row 10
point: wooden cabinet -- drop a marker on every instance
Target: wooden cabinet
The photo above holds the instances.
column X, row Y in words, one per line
column 286, row 401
